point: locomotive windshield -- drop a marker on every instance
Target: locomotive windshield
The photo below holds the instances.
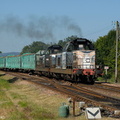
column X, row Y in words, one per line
column 83, row 47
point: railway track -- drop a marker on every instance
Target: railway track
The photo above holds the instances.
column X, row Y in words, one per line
column 102, row 86
column 79, row 92
column 108, row 90
column 108, row 87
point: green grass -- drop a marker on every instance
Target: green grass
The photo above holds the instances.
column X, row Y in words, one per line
column 28, row 102
column 16, row 115
column 41, row 113
column 35, row 111
column 4, row 84
column 4, row 100
column 23, row 103
column 109, row 80
column 17, row 96
column 16, row 107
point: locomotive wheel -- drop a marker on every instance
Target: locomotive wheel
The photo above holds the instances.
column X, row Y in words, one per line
column 76, row 78
column 90, row 80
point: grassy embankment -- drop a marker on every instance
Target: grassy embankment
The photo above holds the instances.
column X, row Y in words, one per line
column 21, row 100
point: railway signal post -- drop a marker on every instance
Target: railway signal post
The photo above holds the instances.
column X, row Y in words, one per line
column 106, row 69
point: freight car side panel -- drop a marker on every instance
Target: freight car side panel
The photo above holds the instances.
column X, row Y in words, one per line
column 13, row 62
column 39, row 62
column 28, row 62
column 2, row 62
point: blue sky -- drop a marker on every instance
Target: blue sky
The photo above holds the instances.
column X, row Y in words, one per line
column 25, row 21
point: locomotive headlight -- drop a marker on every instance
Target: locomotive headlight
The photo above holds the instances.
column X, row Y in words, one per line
column 87, row 60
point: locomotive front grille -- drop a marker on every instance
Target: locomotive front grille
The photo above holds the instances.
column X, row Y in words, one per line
column 86, row 66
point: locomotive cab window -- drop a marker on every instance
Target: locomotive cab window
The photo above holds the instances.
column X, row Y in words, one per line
column 55, row 51
column 84, row 47
column 80, row 47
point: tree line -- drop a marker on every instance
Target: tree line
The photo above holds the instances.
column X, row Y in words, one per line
column 38, row 45
column 105, row 53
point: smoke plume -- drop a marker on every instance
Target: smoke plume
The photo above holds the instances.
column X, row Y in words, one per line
column 40, row 28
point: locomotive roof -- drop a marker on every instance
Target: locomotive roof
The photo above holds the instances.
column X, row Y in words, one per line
column 76, row 42
column 81, row 40
column 55, row 47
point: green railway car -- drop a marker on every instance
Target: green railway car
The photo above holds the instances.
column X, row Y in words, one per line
column 28, row 61
column 2, row 62
column 13, row 62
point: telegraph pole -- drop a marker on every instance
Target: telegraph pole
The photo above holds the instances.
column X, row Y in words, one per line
column 116, row 56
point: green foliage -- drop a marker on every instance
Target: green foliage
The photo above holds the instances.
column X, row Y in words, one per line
column 0, row 51
column 105, row 49
column 34, row 47
column 63, row 42
column 71, row 38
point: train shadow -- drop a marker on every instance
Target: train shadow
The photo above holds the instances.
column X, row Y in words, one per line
column 2, row 75
column 13, row 80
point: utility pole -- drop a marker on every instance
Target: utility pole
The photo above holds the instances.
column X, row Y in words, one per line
column 116, row 56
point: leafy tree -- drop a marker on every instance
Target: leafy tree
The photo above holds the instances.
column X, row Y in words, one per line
column 63, row 42
column 0, row 51
column 73, row 37
column 34, row 47
column 106, row 51
column 26, row 49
